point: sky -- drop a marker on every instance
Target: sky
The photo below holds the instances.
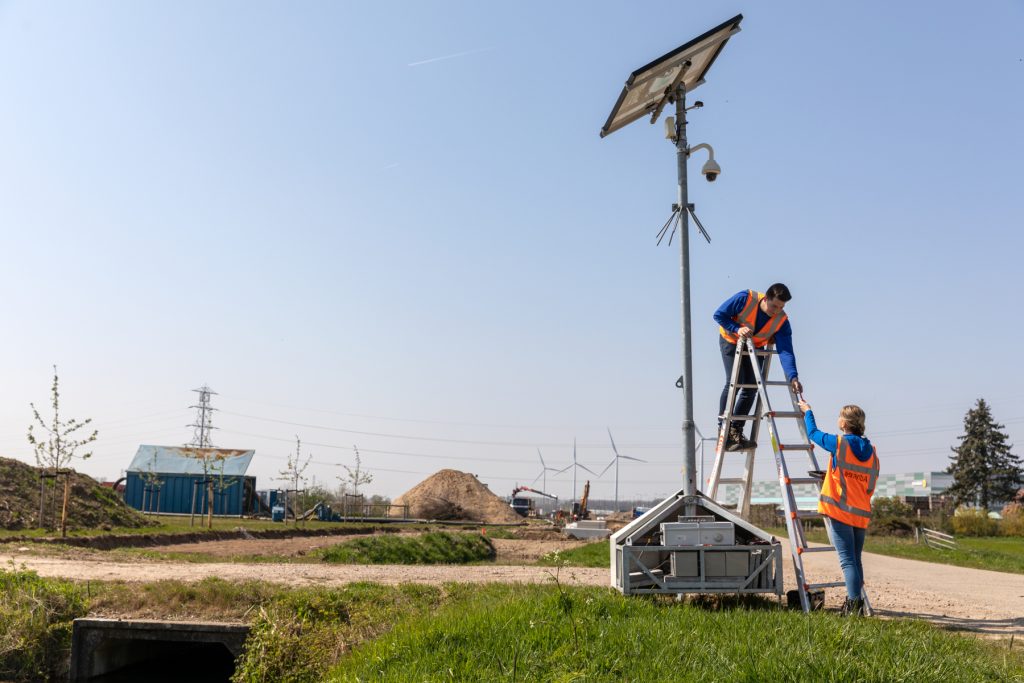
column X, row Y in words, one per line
column 394, row 225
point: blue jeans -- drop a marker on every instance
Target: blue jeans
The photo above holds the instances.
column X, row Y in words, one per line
column 849, row 542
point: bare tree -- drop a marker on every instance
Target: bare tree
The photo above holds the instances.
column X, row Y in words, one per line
column 294, row 474
column 55, row 448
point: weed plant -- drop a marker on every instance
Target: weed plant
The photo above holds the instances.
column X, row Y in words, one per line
column 439, row 547
column 35, row 625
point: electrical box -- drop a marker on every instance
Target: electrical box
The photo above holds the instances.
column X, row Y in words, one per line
column 717, row 533
column 680, row 533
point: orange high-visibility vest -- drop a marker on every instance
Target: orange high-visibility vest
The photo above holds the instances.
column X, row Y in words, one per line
column 748, row 318
column 848, row 487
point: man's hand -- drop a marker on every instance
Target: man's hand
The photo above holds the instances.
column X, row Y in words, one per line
column 797, row 387
column 745, row 332
column 804, row 406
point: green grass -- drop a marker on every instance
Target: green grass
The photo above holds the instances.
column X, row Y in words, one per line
column 552, row 633
column 590, row 555
column 35, row 625
column 437, row 547
column 995, row 553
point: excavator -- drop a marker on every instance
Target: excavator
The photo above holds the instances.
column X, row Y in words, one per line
column 579, row 510
column 523, row 505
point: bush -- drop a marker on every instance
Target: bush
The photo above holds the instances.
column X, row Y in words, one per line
column 35, row 625
column 1013, row 520
column 973, row 522
column 892, row 517
column 431, row 548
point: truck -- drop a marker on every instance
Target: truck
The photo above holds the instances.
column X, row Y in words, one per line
column 525, row 506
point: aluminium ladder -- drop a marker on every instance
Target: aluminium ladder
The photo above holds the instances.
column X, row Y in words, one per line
column 763, row 412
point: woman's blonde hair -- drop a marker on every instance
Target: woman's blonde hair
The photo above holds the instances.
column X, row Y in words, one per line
column 853, row 419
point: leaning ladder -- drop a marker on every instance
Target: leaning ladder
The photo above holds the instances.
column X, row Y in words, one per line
column 763, row 412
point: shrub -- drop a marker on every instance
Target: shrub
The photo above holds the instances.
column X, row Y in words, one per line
column 973, row 522
column 1013, row 520
column 431, row 548
column 35, row 625
column 892, row 517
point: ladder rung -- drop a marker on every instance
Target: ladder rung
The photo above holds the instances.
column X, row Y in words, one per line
column 772, row 383
column 830, row 584
column 804, row 480
column 808, row 514
column 766, row 352
column 819, row 549
column 731, row 480
column 786, row 413
column 734, row 418
column 795, row 447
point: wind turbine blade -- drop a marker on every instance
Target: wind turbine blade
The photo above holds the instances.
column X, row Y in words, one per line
column 574, row 449
column 616, row 450
column 537, row 479
column 630, row 457
column 607, row 467
column 584, row 467
column 563, row 469
column 542, row 463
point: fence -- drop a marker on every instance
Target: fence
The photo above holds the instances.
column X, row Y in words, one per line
column 935, row 539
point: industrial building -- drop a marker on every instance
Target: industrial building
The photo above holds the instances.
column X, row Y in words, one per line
column 920, row 489
column 184, row 479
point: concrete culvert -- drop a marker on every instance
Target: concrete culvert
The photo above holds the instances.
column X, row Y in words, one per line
column 112, row 650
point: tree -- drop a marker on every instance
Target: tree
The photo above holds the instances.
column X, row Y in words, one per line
column 57, row 448
column 356, row 476
column 293, row 473
column 983, row 468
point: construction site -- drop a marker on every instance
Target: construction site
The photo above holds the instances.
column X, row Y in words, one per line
column 517, row 442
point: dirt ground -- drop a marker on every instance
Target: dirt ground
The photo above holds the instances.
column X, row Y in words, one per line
column 990, row 603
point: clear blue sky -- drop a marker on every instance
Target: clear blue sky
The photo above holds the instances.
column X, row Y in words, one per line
column 395, row 225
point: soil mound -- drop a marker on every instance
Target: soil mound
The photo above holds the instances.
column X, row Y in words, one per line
column 450, row 494
column 90, row 505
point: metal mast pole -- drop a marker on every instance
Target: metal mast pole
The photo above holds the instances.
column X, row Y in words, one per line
column 682, row 152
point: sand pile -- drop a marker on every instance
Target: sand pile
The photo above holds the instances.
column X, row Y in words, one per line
column 450, row 494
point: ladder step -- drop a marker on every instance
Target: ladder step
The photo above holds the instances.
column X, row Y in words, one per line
column 731, row 480
column 796, row 447
column 804, row 480
column 820, row 549
column 786, row 413
column 772, row 383
column 830, row 584
column 766, row 352
column 734, row 418
column 808, row 514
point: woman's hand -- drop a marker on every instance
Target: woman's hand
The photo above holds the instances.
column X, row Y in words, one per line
column 805, row 407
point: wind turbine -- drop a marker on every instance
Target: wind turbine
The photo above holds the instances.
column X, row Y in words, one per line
column 615, row 461
column 575, row 465
column 544, row 471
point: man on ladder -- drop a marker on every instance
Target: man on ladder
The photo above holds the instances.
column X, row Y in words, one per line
column 759, row 316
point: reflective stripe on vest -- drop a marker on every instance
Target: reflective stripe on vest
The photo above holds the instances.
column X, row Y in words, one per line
column 836, row 500
column 748, row 318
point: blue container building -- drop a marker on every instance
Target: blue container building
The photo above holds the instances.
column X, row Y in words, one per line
column 168, row 478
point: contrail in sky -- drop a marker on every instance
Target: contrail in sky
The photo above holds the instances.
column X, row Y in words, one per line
column 441, row 59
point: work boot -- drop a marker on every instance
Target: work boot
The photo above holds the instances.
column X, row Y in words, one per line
column 735, row 440
column 853, row 607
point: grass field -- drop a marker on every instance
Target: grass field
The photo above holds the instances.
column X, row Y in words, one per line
column 593, row 554
column 430, row 548
column 549, row 633
column 370, row 632
column 996, row 553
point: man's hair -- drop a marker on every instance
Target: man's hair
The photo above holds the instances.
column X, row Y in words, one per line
column 778, row 291
column 853, row 419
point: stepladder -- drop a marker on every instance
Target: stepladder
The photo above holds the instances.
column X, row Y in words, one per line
column 791, row 439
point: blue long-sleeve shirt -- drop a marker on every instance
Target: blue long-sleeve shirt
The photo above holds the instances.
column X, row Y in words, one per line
column 783, row 338
column 859, row 445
